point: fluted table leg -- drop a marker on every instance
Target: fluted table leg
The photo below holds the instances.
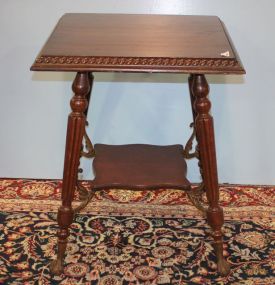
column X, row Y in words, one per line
column 206, row 142
column 75, row 132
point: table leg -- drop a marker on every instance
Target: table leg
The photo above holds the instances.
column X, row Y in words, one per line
column 206, row 141
column 192, row 99
column 75, row 132
column 87, row 149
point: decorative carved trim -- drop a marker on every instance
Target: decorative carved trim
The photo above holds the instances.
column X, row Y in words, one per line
column 136, row 61
column 187, row 154
column 88, row 146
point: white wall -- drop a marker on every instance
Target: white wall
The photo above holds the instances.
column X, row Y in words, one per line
column 133, row 108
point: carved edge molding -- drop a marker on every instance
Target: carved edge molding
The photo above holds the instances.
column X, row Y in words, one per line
column 137, row 61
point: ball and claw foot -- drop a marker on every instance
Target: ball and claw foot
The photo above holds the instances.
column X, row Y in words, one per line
column 56, row 267
column 223, row 267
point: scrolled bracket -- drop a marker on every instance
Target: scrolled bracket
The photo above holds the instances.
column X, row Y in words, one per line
column 195, row 196
column 187, row 154
column 85, row 197
column 90, row 152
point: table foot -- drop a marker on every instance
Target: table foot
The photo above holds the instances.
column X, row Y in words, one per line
column 64, row 217
column 223, row 267
column 222, row 264
column 56, row 267
column 215, row 219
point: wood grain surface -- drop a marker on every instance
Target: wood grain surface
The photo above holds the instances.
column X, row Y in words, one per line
column 139, row 166
column 153, row 43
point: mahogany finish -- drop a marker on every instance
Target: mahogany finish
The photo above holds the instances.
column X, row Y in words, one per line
column 139, row 166
column 75, row 132
column 147, row 43
column 194, row 113
column 206, row 140
column 196, row 45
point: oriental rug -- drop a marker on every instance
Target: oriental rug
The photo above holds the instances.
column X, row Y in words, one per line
column 135, row 237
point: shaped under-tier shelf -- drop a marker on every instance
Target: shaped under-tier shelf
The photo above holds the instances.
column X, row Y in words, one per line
column 139, row 166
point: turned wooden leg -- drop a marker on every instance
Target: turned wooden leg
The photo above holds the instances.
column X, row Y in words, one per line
column 206, row 141
column 75, row 132
column 192, row 100
column 87, row 148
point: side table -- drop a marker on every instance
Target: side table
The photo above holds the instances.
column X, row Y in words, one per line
column 195, row 45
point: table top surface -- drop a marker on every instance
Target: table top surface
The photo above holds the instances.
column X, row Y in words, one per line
column 139, row 43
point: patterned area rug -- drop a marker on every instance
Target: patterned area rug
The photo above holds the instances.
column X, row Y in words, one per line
column 135, row 237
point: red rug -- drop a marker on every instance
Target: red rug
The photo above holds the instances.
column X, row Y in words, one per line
column 135, row 237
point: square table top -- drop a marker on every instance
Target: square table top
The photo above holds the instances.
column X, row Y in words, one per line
column 139, row 43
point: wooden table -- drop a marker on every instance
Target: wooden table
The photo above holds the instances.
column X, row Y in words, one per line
column 196, row 45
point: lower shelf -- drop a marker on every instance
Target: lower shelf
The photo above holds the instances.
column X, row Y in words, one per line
column 139, row 166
